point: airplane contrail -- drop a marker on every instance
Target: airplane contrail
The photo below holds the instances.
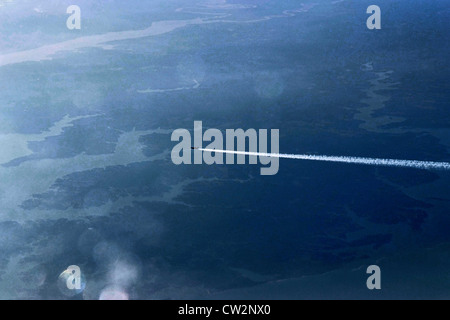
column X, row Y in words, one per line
column 424, row 165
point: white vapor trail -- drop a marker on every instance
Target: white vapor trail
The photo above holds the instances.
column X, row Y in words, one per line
column 424, row 165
